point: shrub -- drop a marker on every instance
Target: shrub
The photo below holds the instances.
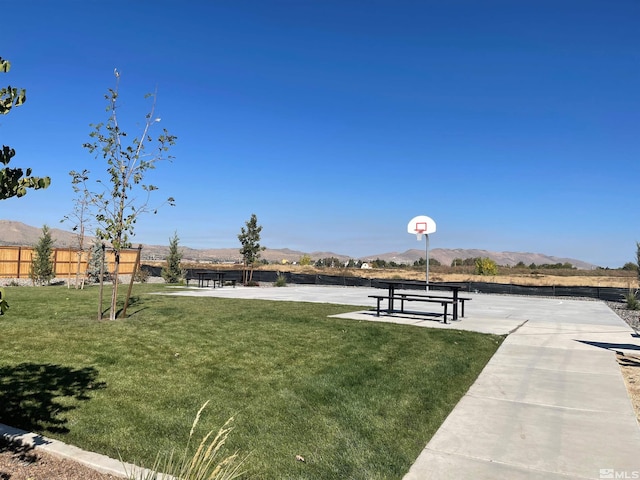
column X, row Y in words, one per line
column 3, row 303
column 632, row 300
column 281, row 281
column 141, row 275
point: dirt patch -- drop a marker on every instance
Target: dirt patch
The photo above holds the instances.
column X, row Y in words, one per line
column 630, row 367
column 18, row 462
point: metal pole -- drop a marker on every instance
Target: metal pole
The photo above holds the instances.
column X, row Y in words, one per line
column 427, row 255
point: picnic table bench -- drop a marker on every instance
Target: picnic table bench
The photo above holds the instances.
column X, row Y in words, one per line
column 460, row 299
column 406, row 297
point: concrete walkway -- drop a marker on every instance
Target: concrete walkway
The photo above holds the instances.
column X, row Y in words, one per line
column 550, row 404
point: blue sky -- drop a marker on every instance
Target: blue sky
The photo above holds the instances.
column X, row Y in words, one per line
column 513, row 124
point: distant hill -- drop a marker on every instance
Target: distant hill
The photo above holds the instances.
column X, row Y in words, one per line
column 20, row 234
column 445, row 256
column 17, row 233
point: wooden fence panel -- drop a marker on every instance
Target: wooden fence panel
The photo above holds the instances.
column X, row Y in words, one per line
column 15, row 262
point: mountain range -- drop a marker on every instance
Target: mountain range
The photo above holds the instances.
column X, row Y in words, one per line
column 19, row 234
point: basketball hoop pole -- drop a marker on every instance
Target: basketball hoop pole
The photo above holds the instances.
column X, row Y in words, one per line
column 427, row 255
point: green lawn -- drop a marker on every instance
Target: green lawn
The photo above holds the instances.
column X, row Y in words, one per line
column 355, row 399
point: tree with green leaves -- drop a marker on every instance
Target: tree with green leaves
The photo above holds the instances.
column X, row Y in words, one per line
column 41, row 263
column 14, row 182
column 305, row 260
column 421, row 262
column 96, row 260
column 250, row 240
column 171, row 271
column 486, row 266
column 120, row 204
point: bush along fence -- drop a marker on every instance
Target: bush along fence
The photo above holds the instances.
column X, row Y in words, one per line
column 268, row 276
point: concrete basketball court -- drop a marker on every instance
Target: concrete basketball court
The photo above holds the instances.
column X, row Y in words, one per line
column 551, row 403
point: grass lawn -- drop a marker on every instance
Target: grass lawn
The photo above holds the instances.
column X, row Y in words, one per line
column 355, row 399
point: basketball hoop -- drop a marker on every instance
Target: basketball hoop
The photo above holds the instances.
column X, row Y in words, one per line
column 423, row 225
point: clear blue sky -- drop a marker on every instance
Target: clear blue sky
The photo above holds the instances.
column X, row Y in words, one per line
column 515, row 125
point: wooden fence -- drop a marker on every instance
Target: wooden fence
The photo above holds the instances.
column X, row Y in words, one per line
column 15, row 262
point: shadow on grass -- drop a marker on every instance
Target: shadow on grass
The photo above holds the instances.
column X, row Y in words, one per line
column 35, row 397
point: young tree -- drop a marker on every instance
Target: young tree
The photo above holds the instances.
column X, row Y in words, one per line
column 250, row 240
column 41, row 264
column 14, row 182
column 80, row 217
column 95, row 262
column 171, row 271
column 127, row 163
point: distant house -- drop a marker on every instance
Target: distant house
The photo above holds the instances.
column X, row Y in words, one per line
column 365, row 266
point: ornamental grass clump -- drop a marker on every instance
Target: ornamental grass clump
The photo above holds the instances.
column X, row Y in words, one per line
column 207, row 463
column 632, row 300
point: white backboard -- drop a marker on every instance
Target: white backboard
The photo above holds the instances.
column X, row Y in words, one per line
column 421, row 225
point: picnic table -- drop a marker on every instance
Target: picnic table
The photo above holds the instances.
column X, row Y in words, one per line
column 444, row 300
column 206, row 276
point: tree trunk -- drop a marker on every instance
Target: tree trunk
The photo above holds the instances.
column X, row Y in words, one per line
column 114, row 281
column 78, row 266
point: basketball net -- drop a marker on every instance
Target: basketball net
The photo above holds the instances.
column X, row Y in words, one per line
column 419, row 234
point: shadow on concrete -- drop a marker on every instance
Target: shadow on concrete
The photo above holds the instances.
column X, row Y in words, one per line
column 35, row 397
column 611, row 346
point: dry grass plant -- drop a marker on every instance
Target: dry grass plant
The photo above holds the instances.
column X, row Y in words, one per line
column 576, row 278
column 207, row 463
